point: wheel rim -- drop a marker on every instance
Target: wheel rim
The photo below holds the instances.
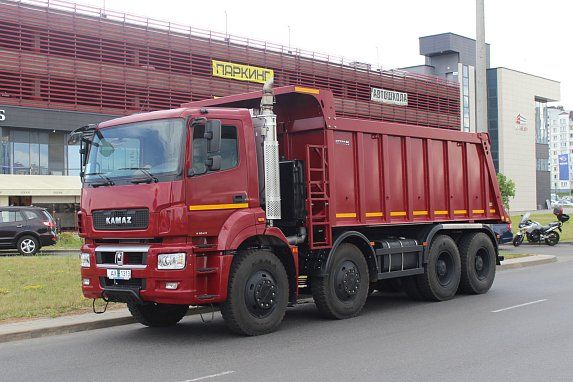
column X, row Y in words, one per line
column 482, row 263
column 445, row 268
column 261, row 294
column 28, row 246
column 347, row 281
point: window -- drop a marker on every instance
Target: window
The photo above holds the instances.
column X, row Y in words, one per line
column 30, row 215
column 229, row 152
column 10, row 216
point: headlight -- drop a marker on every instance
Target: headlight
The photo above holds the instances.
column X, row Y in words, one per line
column 85, row 260
column 171, row 261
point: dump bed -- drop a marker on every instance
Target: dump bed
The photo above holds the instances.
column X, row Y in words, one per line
column 361, row 172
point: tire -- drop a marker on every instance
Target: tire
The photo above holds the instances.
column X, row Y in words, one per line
column 478, row 260
column 441, row 278
column 343, row 291
column 28, row 245
column 552, row 238
column 410, row 285
column 157, row 315
column 257, row 295
column 517, row 240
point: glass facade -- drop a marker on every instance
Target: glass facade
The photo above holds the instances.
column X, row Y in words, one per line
column 492, row 116
column 541, row 122
column 465, row 98
column 37, row 152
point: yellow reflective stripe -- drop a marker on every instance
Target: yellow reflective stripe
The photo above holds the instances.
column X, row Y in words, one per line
column 208, row 207
column 374, row 214
column 460, row 212
column 478, row 211
column 492, row 211
column 300, row 89
column 440, row 212
column 420, row 213
column 398, row 213
column 346, row 215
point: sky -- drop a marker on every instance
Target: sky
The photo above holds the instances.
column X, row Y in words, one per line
column 529, row 36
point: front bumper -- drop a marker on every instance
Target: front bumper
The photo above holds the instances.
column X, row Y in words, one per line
column 202, row 281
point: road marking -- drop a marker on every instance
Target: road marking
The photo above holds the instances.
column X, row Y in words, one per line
column 518, row 306
column 210, row 376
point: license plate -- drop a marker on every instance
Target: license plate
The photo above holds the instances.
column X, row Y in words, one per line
column 119, row 274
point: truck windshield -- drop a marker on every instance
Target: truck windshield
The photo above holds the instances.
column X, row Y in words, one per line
column 136, row 152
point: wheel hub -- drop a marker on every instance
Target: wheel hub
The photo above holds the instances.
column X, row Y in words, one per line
column 261, row 294
column 347, row 281
column 479, row 263
column 444, row 268
column 482, row 263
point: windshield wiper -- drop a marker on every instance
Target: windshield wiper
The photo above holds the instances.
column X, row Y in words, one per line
column 150, row 176
column 107, row 181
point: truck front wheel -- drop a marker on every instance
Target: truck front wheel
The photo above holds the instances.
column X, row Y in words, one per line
column 157, row 315
column 342, row 292
column 257, row 294
column 441, row 278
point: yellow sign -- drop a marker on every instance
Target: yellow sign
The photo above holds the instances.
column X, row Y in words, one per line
column 241, row 72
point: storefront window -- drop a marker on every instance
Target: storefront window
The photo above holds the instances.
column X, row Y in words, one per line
column 37, row 152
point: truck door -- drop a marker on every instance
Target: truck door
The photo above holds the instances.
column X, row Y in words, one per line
column 213, row 195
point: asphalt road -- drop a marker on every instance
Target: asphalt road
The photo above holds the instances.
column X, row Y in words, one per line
column 521, row 331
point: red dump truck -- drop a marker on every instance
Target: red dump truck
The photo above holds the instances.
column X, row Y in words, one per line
column 249, row 201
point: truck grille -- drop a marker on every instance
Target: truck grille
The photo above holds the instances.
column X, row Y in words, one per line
column 129, row 255
column 131, row 219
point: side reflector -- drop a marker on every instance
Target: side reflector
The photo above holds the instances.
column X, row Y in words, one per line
column 300, row 89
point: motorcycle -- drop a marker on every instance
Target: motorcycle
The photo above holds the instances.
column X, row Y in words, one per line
column 536, row 233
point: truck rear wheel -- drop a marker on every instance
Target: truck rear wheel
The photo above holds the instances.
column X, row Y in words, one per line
column 157, row 315
column 343, row 291
column 257, row 295
column 441, row 278
column 477, row 255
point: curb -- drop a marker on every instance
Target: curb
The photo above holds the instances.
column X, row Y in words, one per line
column 47, row 327
column 527, row 261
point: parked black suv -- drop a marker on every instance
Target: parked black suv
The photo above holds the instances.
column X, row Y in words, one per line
column 26, row 229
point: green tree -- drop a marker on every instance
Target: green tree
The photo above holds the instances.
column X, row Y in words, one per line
column 507, row 189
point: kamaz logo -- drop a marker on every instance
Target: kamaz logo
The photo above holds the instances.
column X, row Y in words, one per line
column 118, row 220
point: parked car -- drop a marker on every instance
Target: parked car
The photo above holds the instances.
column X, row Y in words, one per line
column 26, row 229
column 503, row 232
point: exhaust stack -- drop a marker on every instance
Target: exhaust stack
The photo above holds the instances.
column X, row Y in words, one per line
column 271, row 154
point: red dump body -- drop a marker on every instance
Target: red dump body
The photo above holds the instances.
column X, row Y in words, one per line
column 361, row 172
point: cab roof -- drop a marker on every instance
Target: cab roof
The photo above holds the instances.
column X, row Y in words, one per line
column 182, row 112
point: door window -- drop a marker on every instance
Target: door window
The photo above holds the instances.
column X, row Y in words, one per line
column 10, row 216
column 229, row 148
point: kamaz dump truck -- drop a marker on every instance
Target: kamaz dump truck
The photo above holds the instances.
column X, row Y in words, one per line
column 248, row 201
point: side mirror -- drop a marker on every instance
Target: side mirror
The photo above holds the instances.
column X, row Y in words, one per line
column 213, row 163
column 213, row 135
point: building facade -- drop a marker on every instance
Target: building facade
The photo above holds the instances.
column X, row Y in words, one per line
column 65, row 65
column 560, row 129
column 517, row 124
column 453, row 57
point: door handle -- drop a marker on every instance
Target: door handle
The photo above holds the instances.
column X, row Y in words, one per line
column 19, row 226
column 239, row 199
